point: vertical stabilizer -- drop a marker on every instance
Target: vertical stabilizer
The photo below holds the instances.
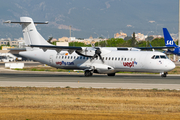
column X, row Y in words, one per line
column 168, row 39
column 30, row 33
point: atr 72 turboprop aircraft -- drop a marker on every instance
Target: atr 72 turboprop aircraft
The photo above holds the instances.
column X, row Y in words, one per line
column 102, row 60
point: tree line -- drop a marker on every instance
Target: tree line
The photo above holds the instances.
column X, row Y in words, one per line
column 118, row 42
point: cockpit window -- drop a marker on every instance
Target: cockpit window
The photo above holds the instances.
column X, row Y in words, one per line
column 163, row 56
column 157, row 57
column 153, row 57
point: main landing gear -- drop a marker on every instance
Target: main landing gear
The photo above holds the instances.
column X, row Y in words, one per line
column 88, row 73
column 111, row 74
column 164, row 74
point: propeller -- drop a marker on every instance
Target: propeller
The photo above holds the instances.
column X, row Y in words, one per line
column 49, row 40
column 97, row 54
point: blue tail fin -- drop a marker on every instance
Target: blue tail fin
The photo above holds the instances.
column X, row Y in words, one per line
column 168, row 39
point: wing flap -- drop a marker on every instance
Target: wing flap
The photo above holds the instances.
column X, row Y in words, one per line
column 58, row 48
column 150, row 48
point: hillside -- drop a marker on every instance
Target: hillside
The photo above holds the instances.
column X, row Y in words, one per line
column 96, row 18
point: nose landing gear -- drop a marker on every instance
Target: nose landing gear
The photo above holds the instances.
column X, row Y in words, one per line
column 163, row 74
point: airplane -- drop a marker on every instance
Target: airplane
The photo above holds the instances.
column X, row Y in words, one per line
column 170, row 43
column 102, row 60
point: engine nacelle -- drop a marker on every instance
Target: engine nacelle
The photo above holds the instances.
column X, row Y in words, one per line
column 103, row 69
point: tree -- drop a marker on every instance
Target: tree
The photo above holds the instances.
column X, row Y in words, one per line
column 149, row 38
column 78, row 44
column 133, row 40
column 127, row 38
column 177, row 42
column 142, row 44
column 8, row 44
column 158, row 42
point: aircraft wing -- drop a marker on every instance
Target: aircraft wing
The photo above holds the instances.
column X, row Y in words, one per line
column 84, row 51
column 72, row 49
column 58, row 48
column 150, row 48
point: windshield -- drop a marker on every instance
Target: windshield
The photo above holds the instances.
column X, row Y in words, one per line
column 159, row 57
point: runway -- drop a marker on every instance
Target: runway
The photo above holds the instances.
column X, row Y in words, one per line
column 77, row 80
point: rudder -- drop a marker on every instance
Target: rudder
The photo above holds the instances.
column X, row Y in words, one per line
column 30, row 33
column 167, row 38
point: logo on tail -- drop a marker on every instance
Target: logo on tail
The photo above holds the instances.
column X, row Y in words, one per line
column 169, row 42
column 167, row 38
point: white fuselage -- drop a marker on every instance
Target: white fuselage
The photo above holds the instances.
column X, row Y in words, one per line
column 114, row 61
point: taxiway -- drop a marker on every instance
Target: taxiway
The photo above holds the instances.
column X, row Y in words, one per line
column 76, row 80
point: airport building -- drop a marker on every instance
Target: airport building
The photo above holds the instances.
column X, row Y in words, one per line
column 120, row 35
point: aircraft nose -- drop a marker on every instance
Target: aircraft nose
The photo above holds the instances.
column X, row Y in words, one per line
column 171, row 65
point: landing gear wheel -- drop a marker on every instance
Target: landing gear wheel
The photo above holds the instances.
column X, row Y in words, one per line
column 88, row 73
column 111, row 74
column 164, row 74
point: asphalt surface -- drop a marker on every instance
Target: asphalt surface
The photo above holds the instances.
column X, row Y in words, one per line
column 75, row 77
column 76, row 80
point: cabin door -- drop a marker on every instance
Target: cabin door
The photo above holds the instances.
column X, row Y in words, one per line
column 51, row 59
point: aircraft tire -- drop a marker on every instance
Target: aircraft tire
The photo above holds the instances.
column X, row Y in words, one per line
column 164, row 75
column 88, row 73
column 111, row 74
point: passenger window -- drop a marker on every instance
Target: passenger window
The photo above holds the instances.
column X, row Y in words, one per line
column 68, row 57
column 124, row 59
column 112, row 58
column 119, row 58
column 134, row 59
column 80, row 57
column 131, row 59
column 84, row 58
column 77, row 57
column 74, row 57
column 109, row 58
column 103, row 58
column 62, row 57
column 106, row 58
column 115, row 58
column 65, row 57
column 71, row 57
column 128, row 59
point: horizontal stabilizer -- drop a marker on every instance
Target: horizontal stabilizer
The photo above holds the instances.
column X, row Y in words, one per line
column 8, row 21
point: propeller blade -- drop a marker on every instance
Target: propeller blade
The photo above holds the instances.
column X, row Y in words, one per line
column 101, row 58
column 97, row 53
